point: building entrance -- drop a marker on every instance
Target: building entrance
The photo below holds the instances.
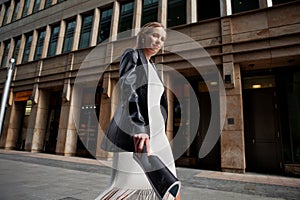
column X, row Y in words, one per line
column 24, row 108
column 53, row 122
column 184, row 119
column 261, row 125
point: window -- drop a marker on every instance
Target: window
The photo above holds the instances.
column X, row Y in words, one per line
column 26, row 7
column 27, row 48
column 17, row 6
column 5, row 53
column 244, row 5
column 105, row 22
column 126, row 18
column 53, row 40
column 17, row 48
column 86, row 29
column 59, row 1
column 275, row 2
column 48, row 3
column 69, row 36
column 149, row 12
column 40, row 44
column 176, row 12
column 208, row 9
column 36, row 7
column 7, row 6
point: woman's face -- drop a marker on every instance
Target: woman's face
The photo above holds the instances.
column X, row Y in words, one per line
column 154, row 40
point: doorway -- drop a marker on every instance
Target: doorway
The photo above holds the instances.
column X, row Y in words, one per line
column 261, row 125
column 53, row 122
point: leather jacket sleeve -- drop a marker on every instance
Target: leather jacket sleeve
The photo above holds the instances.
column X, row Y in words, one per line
column 133, row 85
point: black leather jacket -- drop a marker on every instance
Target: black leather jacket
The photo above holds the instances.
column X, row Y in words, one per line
column 131, row 116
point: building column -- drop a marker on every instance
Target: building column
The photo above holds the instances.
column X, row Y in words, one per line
column 42, row 4
column 63, row 127
column 95, row 27
column 191, row 11
column 61, row 35
column 30, row 8
column 115, row 21
column 11, row 50
column 33, row 45
column 137, row 17
column 107, row 108
column 1, row 51
column 15, row 119
column 72, row 117
column 37, row 126
column 163, row 12
column 232, row 137
column 21, row 8
column 36, row 115
column 21, row 50
column 11, row 12
column 226, row 8
column 5, row 127
column 77, row 32
column 2, row 13
column 46, row 42
column 269, row 3
column 65, row 108
column 54, row 2
column 265, row 3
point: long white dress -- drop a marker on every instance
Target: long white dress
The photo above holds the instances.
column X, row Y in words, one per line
column 128, row 180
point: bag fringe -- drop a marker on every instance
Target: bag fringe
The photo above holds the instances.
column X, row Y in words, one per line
column 129, row 194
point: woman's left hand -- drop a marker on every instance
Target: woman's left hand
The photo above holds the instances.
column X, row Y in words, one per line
column 140, row 140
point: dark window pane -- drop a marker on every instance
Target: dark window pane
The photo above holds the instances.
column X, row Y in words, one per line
column 40, row 44
column 27, row 48
column 5, row 54
column 69, row 36
column 17, row 6
column 176, row 12
column 105, row 23
column 48, row 3
column 53, row 41
column 36, row 7
column 86, row 29
column 208, row 9
column 126, row 17
column 275, row 2
column 244, row 5
column 149, row 12
column 7, row 5
column 17, row 48
column 26, row 7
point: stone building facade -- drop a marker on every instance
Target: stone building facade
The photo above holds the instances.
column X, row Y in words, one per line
column 255, row 47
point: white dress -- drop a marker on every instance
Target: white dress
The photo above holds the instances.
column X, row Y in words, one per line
column 128, row 180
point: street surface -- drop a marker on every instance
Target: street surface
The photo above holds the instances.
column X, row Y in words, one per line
column 37, row 176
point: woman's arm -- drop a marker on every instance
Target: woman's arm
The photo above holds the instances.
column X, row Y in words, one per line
column 131, row 85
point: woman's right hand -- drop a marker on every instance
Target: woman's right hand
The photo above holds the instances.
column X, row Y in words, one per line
column 140, row 140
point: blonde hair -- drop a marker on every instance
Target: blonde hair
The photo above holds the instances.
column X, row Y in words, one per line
column 145, row 30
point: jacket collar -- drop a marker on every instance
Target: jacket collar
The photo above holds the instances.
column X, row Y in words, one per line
column 143, row 60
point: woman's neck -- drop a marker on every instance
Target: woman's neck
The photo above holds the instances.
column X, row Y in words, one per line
column 148, row 57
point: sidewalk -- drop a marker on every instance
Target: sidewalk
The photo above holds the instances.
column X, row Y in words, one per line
column 31, row 176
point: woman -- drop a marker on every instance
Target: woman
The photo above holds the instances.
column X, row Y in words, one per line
column 138, row 122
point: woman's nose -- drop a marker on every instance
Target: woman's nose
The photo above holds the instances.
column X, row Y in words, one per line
column 158, row 41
